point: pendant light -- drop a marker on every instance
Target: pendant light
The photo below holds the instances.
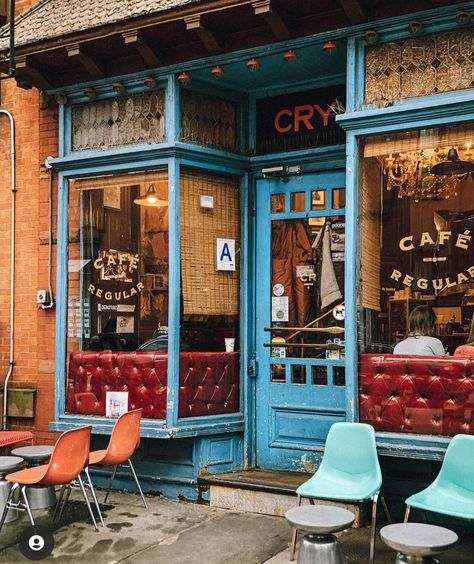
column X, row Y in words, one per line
column 151, row 198
column 452, row 165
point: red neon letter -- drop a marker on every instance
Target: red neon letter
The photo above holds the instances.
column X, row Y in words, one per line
column 276, row 123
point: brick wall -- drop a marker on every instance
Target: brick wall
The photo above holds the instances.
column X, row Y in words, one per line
column 36, row 138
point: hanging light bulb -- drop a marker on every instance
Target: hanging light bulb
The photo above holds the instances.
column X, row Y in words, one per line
column 329, row 47
column 290, row 56
column 217, row 71
column 253, row 64
column 151, row 198
column 184, row 78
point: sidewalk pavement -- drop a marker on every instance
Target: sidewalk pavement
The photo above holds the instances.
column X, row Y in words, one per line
column 183, row 533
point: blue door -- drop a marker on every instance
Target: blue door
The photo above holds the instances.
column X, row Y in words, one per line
column 300, row 332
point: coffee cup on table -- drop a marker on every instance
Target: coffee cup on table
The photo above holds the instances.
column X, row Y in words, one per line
column 229, row 344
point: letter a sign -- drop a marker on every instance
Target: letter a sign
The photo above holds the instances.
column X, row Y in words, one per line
column 225, row 254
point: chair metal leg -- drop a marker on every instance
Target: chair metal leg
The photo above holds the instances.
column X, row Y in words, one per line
column 27, row 505
column 58, row 503
column 385, row 508
column 294, row 536
column 91, row 486
column 112, row 477
column 84, row 493
column 137, row 482
column 407, row 514
column 7, row 504
column 66, row 499
column 374, row 525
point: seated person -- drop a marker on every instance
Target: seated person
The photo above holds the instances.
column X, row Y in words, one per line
column 468, row 348
column 420, row 339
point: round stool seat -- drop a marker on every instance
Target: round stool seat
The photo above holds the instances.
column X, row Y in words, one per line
column 9, row 463
column 34, row 454
column 320, row 519
column 418, row 539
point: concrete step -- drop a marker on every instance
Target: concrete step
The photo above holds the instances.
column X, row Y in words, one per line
column 267, row 492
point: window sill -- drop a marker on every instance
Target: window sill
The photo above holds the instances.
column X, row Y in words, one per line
column 157, row 429
column 424, row 447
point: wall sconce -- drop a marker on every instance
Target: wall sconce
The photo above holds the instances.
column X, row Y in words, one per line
column 184, row 78
column 60, row 98
column 119, row 87
column 371, row 36
column 415, row 26
column 329, row 47
column 253, row 64
column 149, row 81
column 463, row 18
column 217, row 71
column 151, row 198
column 90, row 93
column 290, row 56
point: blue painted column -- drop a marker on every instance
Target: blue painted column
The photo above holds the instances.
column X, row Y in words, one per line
column 174, row 293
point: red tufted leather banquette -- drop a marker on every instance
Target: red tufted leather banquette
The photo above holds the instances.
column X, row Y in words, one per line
column 208, row 382
column 417, row 394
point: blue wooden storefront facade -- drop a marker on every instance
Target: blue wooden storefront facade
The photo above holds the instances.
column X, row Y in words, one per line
column 174, row 451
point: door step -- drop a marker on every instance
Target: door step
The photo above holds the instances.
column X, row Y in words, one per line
column 265, row 491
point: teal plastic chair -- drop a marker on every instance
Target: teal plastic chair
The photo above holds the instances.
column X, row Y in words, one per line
column 349, row 472
column 452, row 492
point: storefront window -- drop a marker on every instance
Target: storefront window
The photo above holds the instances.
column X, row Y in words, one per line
column 416, row 254
column 118, row 271
column 210, row 297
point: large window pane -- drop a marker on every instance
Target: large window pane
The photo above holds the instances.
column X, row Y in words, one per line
column 210, row 279
column 417, row 219
column 118, row 293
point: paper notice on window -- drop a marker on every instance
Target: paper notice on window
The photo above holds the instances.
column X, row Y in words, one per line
column 116, row 403
column 280, row 308
column 125, row 324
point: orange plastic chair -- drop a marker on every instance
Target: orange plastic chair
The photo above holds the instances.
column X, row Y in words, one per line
column 69, row 457
column 123, row 443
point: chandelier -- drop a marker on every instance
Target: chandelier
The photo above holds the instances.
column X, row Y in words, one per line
column 428, row 174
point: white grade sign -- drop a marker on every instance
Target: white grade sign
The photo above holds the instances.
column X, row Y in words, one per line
column 225, row 254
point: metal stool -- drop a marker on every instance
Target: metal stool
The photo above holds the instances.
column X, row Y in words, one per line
column 8, row 464
column 417, row 542
column 38, row 497
column 320, row 521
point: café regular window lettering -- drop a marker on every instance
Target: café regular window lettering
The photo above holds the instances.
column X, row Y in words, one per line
column 416, row 299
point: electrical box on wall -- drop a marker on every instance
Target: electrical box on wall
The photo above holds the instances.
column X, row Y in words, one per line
column 43, row 297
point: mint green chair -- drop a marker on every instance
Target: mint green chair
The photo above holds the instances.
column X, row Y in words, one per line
column 452, row 492
column 349, row 472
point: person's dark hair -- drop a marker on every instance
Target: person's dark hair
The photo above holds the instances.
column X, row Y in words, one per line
column 422, row 321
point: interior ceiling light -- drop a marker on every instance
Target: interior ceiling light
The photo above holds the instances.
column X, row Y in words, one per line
column 151, row 198
column 290, row 56
column 253, row 64
column 184, row 78
column 217, row 71
column 329, row 46
column 452, row 165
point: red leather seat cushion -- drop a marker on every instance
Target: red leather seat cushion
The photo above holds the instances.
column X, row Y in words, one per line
column 417, row 394
column 208, row 382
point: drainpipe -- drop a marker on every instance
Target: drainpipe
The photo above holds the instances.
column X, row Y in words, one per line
column 12, row 267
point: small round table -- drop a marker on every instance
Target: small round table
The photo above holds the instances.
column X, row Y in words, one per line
column 417, row 542
column 39, row 497
column 320, row 522
column 8, row 464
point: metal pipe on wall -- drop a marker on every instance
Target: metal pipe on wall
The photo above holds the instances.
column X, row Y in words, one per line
column 12, row 266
